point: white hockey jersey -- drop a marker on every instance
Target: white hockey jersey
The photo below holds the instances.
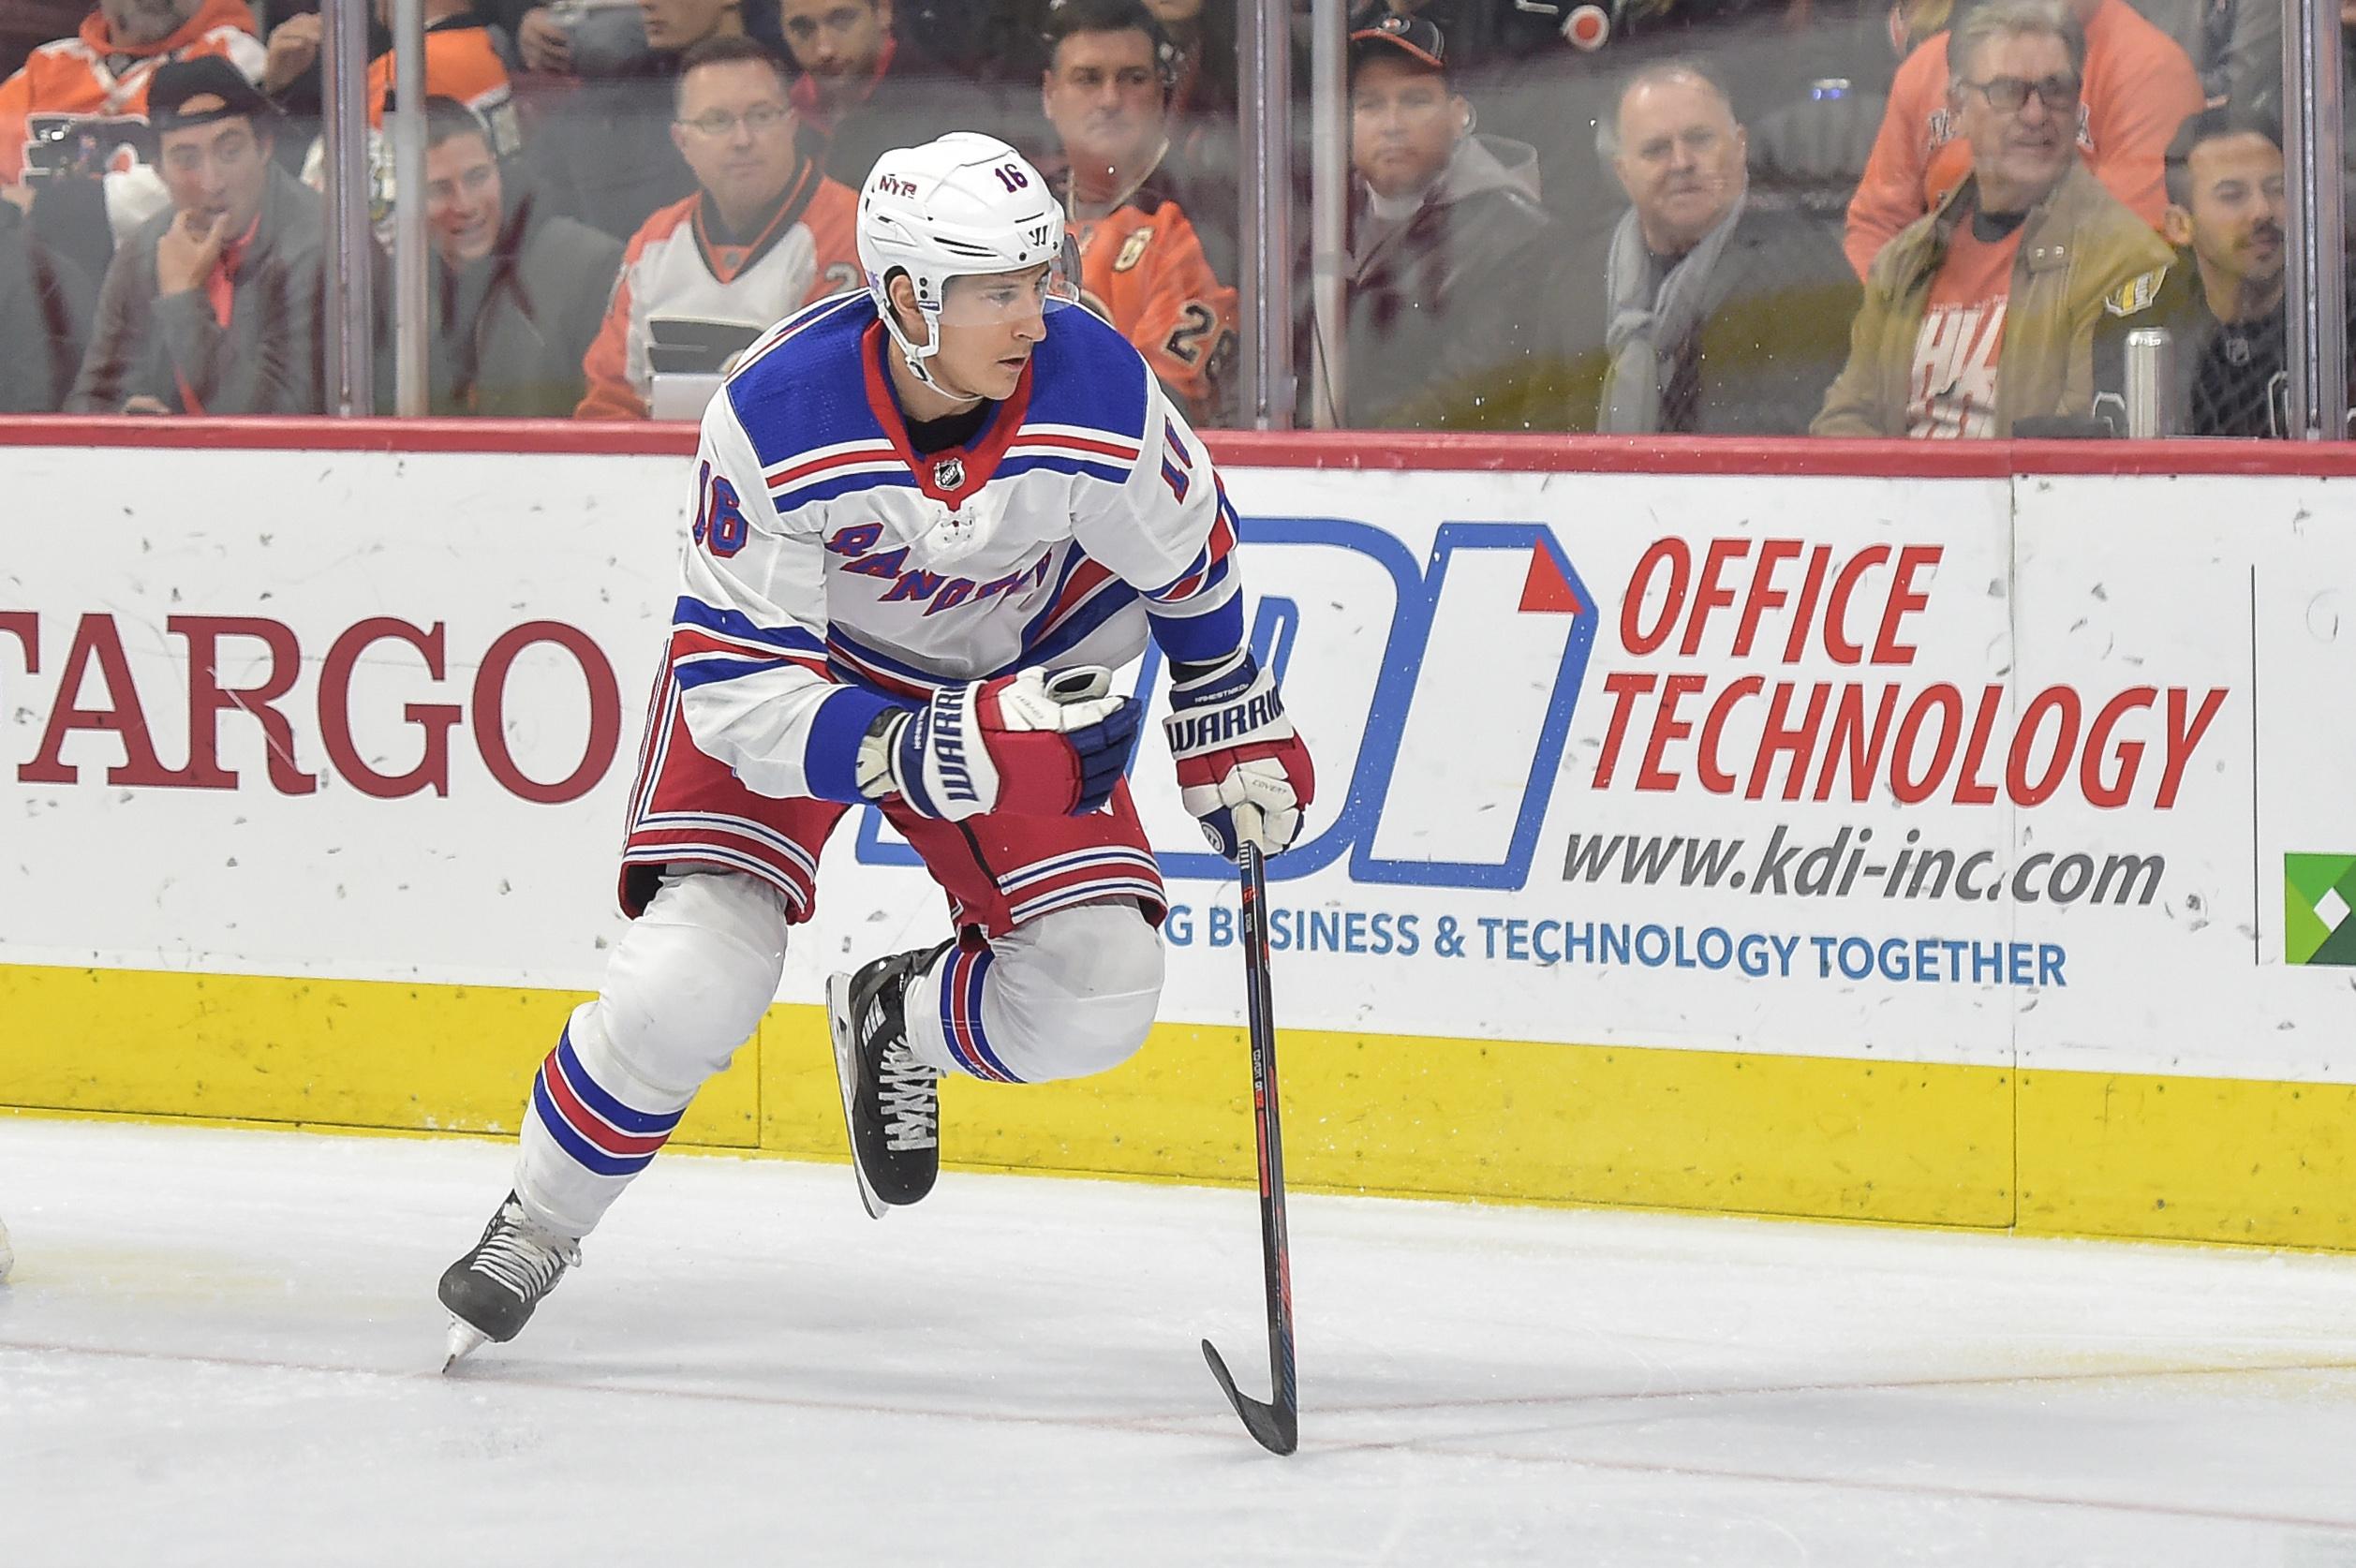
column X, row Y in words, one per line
column 831, row 571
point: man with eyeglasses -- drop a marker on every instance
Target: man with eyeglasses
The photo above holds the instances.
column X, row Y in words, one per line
column 2136, row 87
column 766, row 233
column 601, row 148
column 1982, row 315
column 213, row 308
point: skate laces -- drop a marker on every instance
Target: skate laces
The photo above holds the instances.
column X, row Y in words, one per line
column 522, row 1257
column 908, row 1093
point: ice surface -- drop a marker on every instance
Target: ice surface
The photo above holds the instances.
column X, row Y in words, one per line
column 223, row 1347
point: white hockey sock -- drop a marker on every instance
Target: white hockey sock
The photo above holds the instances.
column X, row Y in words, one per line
column 1070, row 994
column 686, row 986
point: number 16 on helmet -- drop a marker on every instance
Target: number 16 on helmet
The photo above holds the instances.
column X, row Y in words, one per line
column 964, row 205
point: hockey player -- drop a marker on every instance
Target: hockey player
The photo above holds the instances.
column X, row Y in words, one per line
column 929, row 517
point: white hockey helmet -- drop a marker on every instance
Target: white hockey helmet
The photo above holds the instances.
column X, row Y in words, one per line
column 962, row 205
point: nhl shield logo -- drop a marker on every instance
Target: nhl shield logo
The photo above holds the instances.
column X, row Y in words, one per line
column 949, row 473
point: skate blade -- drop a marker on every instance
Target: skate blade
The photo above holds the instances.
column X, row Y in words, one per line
column 465, row 1339
column 839, row 1024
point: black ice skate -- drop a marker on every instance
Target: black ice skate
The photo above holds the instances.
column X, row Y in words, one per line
column 491, row 1292
column 891, row 1101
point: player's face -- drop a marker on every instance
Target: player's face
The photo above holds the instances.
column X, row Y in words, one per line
column 1681, row 159
column 672, row 25
column 2018, row 153
column 144, row 21
column 737, row 132
column 215, row 170
column 988, row 327
column 1403, row 125
column 463, row 198
column 2238, row 207
column 1102, row 93
column 836, row 40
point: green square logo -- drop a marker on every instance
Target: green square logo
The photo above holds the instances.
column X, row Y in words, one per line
column 2318, row 909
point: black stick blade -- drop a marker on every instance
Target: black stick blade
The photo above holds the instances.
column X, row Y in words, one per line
column 1275, row 1427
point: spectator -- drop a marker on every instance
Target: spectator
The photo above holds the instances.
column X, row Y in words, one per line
column 1714, row 315
column 1451, row 257
column 2235, row 46
column 2138, row 88
column 1982, row 314
column 606, row 152
column 1482, row 35
column 1144, row 267
column 214, row 306
column 45, row 308
column 592, row 38
column 464, row 59
column 1203, row 34
column 863, row 88
column 2223, row 308
column 766, row 233
column 518, row 294
column 74, row 139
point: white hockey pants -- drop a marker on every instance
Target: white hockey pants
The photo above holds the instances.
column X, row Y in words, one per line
column 1070, row 994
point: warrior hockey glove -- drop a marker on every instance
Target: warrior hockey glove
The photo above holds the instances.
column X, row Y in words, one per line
column 1033, row 744
column 1242, row 771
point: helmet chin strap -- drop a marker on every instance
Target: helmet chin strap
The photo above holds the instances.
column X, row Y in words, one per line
column 915, row 355
column 912, row 354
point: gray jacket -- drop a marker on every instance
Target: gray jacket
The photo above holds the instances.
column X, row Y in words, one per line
column 45, row 306
column 511, row 331
column 2235, row 44
column 1447, row 308
column 269, row 359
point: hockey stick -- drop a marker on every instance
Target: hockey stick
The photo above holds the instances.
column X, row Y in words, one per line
column 1276, row 1425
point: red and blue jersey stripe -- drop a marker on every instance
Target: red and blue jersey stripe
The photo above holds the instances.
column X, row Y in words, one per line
column 709, row 644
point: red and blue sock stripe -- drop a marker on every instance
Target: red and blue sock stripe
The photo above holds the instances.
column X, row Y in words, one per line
column 597, row 1130
column 961, row 981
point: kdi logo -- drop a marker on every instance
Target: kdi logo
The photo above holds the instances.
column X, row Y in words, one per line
column 1436, row 698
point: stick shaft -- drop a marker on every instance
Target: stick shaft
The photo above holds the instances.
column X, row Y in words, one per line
column 1260, row 1013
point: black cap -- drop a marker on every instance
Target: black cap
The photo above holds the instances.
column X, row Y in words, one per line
column 200, row 91
column 1417, row 37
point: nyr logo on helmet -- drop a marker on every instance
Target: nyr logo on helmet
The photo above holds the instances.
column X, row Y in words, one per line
column 892, row 185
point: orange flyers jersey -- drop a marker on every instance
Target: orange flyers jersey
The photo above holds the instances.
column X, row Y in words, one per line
column 67, row 88
column 1142, row 268
column 677, row 270
column 460, row 64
